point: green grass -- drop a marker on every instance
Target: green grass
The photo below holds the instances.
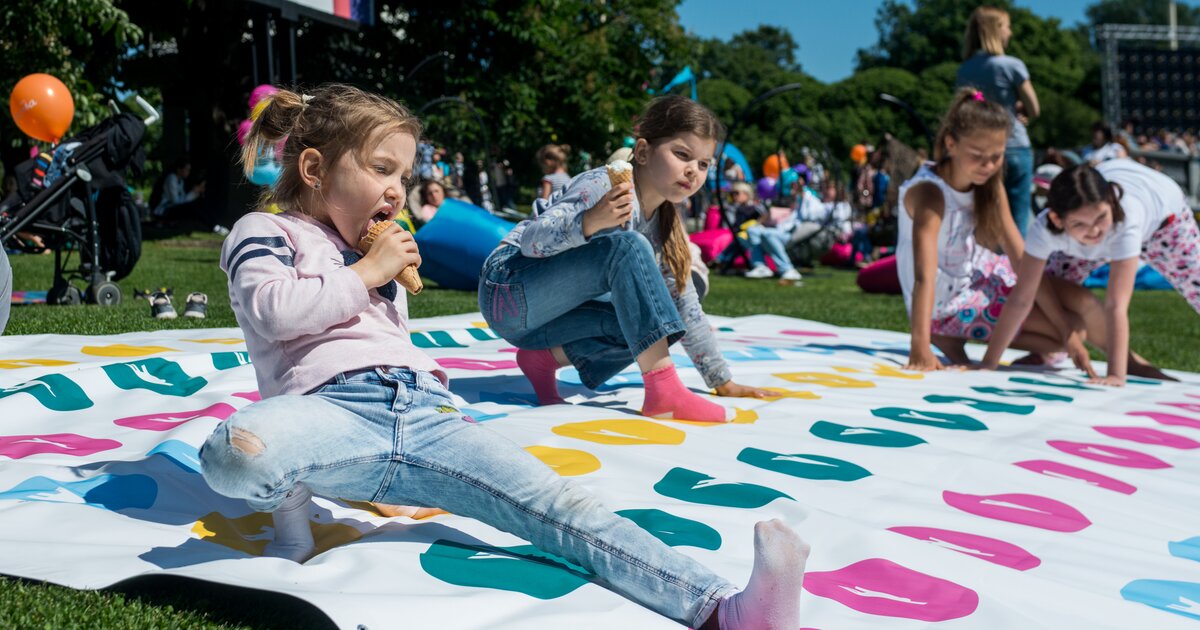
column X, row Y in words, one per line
column 1164, row 328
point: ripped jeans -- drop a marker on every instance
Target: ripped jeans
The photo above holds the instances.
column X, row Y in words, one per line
column 539, row 303
column 392, row 435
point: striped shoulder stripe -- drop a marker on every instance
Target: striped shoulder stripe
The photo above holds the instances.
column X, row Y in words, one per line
column 257, row 247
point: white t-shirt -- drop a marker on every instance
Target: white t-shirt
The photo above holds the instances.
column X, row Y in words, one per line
column 1149, row 197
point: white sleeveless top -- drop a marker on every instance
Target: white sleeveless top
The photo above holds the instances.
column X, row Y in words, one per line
column 957, row 251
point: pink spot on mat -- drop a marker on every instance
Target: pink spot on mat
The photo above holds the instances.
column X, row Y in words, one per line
column 1023, row 509
column 1063, row 471
column 251, row 396
column 808, row 333
column 991, row 550
column 18, row 446
column 1114, row 455
column 882, row 587
column 1144, row 435
column 512, row 350
column 1186, row 406
column 1167, row 418
column 475, row 364
column 172, row 419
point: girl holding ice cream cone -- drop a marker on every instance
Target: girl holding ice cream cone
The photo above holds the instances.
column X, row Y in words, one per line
column 600, row 278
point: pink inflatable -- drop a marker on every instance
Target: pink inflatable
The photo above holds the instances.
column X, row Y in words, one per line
column 880, row 277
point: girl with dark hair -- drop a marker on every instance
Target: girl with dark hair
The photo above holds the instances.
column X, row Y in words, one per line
column 541, row 288
column 1118, row 212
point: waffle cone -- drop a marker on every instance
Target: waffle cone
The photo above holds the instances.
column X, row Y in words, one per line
column 408, row 277
column 619, row 177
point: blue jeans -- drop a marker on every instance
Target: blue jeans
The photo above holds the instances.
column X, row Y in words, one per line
column 771, row 241
column 1018, row 183
column 392, row 435
column 540, row 303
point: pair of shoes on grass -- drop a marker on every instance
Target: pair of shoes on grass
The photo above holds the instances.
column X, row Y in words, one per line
column 161, row 307
column 763, row 271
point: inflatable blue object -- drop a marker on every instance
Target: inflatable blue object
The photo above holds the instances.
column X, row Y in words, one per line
column 1147, row 278
column 735, row 154
column 457, row 241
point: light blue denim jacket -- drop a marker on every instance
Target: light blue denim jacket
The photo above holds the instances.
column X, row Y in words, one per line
column 557, row 225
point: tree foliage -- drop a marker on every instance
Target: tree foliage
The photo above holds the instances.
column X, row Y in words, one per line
column 79, row 42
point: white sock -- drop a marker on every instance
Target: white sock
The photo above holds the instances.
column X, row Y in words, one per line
column 771, row 600
column 293, row 536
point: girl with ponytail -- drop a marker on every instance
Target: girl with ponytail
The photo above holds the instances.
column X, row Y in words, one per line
column 541, row 288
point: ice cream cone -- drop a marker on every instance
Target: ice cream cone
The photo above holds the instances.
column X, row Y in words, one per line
column 620, row 172
column 408, row 277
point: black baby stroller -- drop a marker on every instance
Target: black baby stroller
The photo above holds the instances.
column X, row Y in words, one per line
column 77, row 202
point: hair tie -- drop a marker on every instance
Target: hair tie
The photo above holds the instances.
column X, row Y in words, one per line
column 978, row 96
column 305, row 98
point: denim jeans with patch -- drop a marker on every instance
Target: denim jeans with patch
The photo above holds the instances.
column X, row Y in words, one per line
column 392, row 435
column 539, row 303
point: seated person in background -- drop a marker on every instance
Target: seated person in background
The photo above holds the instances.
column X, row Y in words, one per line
column 771, row 236
column 1103, row 147
column 176, row 200
column 432, row 196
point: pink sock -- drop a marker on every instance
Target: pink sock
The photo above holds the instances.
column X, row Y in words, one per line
column 771, row 600
column 540, row 367
column 666, row 397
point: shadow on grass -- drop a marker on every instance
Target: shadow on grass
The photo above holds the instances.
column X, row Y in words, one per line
column 223, row 603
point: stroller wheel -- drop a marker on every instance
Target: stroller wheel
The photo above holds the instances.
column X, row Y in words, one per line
column 104, row 294
column 65, row 295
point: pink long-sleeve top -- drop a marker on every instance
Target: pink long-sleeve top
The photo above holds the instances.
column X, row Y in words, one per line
column 306, row 315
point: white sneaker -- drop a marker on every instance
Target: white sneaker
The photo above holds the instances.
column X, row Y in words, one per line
column 761, row 271
column 790, row 274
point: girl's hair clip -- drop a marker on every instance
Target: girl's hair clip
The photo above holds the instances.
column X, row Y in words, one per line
column 306, row 98
column 977, row 96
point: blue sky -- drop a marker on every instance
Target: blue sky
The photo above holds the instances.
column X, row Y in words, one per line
column 829, row 32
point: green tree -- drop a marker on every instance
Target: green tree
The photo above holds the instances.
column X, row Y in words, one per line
column 79, row 42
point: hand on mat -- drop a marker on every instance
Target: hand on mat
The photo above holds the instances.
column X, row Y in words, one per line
column 1110, row 381
column 1079, row 356
column 923, row 361
column 733, row 390
column 613, row 209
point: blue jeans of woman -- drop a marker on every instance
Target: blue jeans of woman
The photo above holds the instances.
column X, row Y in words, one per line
column 771, row 241
column 393, row 435
column 1018, row 183
column 539, row 303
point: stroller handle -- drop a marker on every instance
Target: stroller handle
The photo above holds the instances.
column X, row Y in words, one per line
column 152, row 114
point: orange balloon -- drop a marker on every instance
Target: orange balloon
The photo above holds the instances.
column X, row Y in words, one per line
column 858, row 154
column 772, row 166
column 42, row 107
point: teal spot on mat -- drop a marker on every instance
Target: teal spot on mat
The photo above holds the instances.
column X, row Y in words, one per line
column 227, row 360
column 694, row 487
column 1189, row 549
column 54, row 391
column 1025, row 380
column 866, row 436
column 434, row 339
column 111, row 492
column 803, row 465
column 675, row 531
column 954, row 421
column 155, row 374
column 483, row 334
column 1022, row 393
column 725, row 329
column 482, row 416
column 1139, row 380
column 1181, row 598
column 982, row 405
column 521, row 569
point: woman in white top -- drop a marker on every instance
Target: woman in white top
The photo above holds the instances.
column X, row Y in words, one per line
column 1116, row 212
